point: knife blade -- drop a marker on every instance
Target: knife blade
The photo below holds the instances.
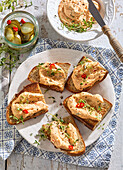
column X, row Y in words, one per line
column 106, row 30
column 95, row 13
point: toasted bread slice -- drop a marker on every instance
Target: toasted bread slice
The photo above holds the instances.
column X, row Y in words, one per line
column 70, row 85
column 34, row 76
column 32, row 88
column 91, row 124
column 80, row 146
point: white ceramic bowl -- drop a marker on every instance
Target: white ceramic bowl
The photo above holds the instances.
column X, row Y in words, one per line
column 52, row 13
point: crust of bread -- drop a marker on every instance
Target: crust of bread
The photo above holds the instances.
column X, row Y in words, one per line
column 91, row 124
column 70, row 86
column 33, row 88
column 35, row 72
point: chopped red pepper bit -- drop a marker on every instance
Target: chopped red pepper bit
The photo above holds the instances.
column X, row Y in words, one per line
column 9, row 22
column 15, row 29
column 71, row 147
column 80, row 105
column 25, row 111
column 51, row 66
column 22, row 21
column 83, row 76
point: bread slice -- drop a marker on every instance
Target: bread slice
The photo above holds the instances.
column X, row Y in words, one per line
column 80, row 149
column 91, row 124
column 35, row 77
column 33, row 88
column 70, row 85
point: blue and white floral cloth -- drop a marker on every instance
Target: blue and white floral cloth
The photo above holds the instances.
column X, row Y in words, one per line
column 99, row 153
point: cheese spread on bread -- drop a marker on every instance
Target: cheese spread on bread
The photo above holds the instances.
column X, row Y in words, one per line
column 87, row 73
column 85, row 105
column 52, row 74
column 63, row 136
column 27, row 104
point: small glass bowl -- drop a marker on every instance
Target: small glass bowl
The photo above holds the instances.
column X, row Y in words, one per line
column 18, row 15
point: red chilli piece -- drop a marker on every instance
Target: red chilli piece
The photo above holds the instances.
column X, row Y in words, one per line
column 9, row 22
column 83, row 76
column 25, row 111
column 15, row 29
column 51, row 66
column 78, row 105
column 22, row 21
column 71, row 147
column 82, row 105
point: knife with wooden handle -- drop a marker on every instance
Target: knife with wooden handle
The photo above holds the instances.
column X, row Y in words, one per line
column 106, row 30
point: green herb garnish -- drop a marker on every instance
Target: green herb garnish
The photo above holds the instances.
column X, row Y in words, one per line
column 79, row 27
column 99, row 108
column 16, row 119
column 19, row 109
column 58, row 68
column 82, row 101
column 12, row 4
column 81, row 62
column 40, row 64
column 10, row 57
column 76, row 141
column 51, row 97
column 46, row 91
column 52, row 73
column 36, row 142
column 21, row 119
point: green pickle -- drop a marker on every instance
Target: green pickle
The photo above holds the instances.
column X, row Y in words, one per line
column 16, row 40
column 15, row 22
column 26, row 37
column 32, row 36
column 9, row 34
column 23, row 34
column 27, row 28
column 11, row 26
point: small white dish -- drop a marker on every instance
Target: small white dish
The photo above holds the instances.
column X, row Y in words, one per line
column 95, row 32
column 31, row 127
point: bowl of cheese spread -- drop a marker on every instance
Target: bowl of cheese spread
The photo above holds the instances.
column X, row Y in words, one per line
column 74, row 14
column 72, row 19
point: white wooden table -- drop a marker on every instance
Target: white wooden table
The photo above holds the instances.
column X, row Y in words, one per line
column 23, row 162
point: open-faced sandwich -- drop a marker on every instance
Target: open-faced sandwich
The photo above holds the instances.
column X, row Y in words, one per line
column 85, row 75
column 27, row 104
column 87, row 108
column 64, row 135
column 50, row 75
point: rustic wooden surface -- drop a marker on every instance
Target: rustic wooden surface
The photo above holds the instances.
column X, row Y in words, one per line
column 23, row 162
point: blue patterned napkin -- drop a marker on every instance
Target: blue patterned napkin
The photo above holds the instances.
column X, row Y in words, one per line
column 99, row 153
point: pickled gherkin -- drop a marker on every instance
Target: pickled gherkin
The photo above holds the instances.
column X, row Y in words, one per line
column 27, row 28
column 9, row 34
column 18, row 32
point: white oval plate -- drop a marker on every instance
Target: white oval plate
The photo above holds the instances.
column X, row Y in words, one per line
column 95, row 32
column 32, row 126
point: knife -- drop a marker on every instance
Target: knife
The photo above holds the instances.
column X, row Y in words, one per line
column 106, row 30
